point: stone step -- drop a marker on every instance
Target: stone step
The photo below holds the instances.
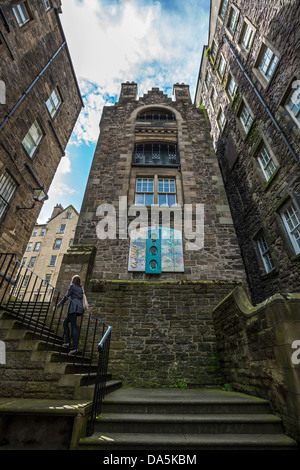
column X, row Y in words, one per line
column 87, row 392
column 183, row 402
column 193, row 419
column 189, row 424
column 185, row 442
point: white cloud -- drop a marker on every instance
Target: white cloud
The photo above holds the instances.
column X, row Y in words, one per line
column 58, row 190
column 135, row 40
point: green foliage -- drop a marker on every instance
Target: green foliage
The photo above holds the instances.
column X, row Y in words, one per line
column 180, row 384
column 227, row 388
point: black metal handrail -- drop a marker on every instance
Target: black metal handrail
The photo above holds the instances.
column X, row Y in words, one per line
column 100, row 385
column 32, row 301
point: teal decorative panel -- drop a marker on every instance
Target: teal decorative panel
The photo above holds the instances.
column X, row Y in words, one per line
column 165, row 254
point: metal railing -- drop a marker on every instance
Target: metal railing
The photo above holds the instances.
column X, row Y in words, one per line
column 156, row 154
column 100, row 385
column 32, row 301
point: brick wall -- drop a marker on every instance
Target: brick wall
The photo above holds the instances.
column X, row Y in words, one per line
column 162, row 331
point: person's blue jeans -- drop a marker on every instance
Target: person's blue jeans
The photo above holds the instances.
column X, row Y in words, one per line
column 71, row 318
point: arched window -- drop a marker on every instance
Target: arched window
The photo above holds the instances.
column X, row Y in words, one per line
column 156, row 115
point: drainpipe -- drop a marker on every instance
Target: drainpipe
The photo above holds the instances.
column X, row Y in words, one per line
column 68, row 53
column 261, row 100
column 31, row 86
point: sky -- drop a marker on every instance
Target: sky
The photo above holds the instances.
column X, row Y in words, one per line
column 155, row 43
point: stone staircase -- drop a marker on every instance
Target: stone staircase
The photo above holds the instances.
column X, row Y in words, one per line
column 37, row 366
column 32, row 309
column 181, row 420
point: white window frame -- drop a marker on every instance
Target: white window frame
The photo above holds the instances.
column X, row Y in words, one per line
column 21, row 13
column 47, row 279
column 293, row 101
column 245, row 117
column 47, row 5
column 32, row 262
column 214, row 50
column 207, row 79
column 32, row 141
column 59, row 241
column 25, row 281
column 53, row 260
column 37, row 246
column 222, row 10
column 168, row 189
column 290, row 216
column 8, row 187
column 221, row 122
column 54, row 102
column 234, row 23
column 247, row 36
column 266, row 162
column 146, row 188
column 265, row 253
column 221, row 66
column 228, row 86
column 213, row 97
column 267, row 62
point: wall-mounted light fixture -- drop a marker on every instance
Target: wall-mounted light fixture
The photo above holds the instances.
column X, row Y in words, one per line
column 39, row 194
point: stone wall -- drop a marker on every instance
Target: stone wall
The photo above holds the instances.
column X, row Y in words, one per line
column 255, row 346
column 162, row 331
column 254, row 202
column 25, row 54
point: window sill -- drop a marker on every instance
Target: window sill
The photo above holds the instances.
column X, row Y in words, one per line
column 269, row 182
column 220, row 77
column 272, row 273
column 230, row 33
column 264, row 82
column 26, row 25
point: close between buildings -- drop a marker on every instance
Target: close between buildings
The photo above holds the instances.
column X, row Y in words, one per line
column 249, row 85
column 40, row 103
column 47, row 245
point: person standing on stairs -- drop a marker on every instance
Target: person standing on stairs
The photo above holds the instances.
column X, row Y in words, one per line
column 75, row 308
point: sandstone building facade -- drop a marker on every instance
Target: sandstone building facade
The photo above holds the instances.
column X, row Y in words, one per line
column 154, row 154
column 249, row 86
column 45, row 250
column 155, row 174
column 39, row 105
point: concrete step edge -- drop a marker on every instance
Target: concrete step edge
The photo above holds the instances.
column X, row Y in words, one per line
column 186, row 418
column 184, row 440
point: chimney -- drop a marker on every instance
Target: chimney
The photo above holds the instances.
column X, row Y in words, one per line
column 57, row 210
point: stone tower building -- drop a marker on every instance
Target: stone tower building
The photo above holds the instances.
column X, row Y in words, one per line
column 153, row 156
column 155, row 243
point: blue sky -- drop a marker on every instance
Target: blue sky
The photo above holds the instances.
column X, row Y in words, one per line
column 155, row 43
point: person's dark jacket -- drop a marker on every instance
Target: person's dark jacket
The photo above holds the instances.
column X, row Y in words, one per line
column 75, row 295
